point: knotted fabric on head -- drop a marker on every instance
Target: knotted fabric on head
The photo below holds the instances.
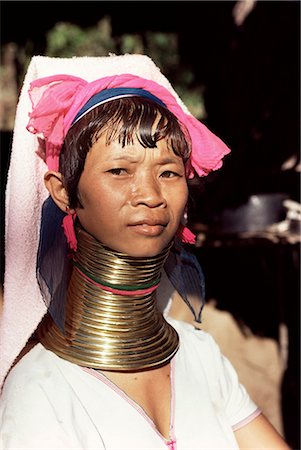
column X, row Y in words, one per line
column 57, row 99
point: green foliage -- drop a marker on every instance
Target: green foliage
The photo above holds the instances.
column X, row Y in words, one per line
column 67, row 40
column 163, row 48
column 131, row 43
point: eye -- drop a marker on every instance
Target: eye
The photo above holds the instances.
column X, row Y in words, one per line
column 169, row 174
column 117, row 171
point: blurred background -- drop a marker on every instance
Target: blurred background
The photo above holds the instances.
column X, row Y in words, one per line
column 236, row 64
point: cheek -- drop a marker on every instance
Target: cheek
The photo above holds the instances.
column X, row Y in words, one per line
column 94, row 193
column 185, row 196
column 101, row 203
column 177, row 201
column 182, row 197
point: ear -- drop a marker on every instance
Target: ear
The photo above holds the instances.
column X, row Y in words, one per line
column 55, row 186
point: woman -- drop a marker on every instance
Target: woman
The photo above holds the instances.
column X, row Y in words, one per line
column 109, row 371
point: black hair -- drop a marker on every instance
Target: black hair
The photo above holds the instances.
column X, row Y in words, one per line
column 125, row 120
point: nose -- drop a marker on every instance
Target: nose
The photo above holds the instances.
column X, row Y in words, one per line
column 147, row 191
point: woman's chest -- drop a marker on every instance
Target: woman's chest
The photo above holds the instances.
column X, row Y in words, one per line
column 196, row 421
column 149, row 390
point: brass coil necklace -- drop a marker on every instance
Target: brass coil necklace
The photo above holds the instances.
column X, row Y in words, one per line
column 112, row 320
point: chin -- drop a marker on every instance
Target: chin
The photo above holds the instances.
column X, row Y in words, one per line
column 144, row 253
column 146, row 249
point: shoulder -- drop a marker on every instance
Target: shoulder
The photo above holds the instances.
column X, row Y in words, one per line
column 195, row 342
column 40, row 406
column 25, row 372
column 199, row 352
column 29, row 386
column 36, row 365
column 202, row 362
column 34, row 402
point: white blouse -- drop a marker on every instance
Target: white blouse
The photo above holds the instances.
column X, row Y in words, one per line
column 50, row 403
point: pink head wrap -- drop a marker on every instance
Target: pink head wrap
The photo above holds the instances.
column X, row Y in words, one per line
column 57, row 99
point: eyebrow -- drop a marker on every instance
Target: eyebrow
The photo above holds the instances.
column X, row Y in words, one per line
column 169, row 160
column 124, row 157
column 134, row 159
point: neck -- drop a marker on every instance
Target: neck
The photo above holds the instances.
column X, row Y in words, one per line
column 112, row 320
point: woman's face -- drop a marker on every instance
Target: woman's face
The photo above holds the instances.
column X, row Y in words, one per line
column 132, row 197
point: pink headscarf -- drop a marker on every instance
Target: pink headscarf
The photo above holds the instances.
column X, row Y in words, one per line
column 57, row 99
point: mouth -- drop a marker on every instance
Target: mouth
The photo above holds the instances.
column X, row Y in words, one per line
column 148, row 227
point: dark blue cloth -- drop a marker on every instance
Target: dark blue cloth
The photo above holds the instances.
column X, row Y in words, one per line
column 108, row 94
column 186, row 275
column 53, row 264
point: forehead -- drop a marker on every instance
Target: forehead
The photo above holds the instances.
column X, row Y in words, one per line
column 134, row 151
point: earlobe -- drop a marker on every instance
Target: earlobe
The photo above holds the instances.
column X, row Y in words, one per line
column 55, row 186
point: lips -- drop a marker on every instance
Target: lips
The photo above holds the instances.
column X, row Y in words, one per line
column 149, row 221
column 149, row 227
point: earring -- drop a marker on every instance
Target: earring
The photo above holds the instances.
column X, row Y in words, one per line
column 68, row 225
column 185, row 235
